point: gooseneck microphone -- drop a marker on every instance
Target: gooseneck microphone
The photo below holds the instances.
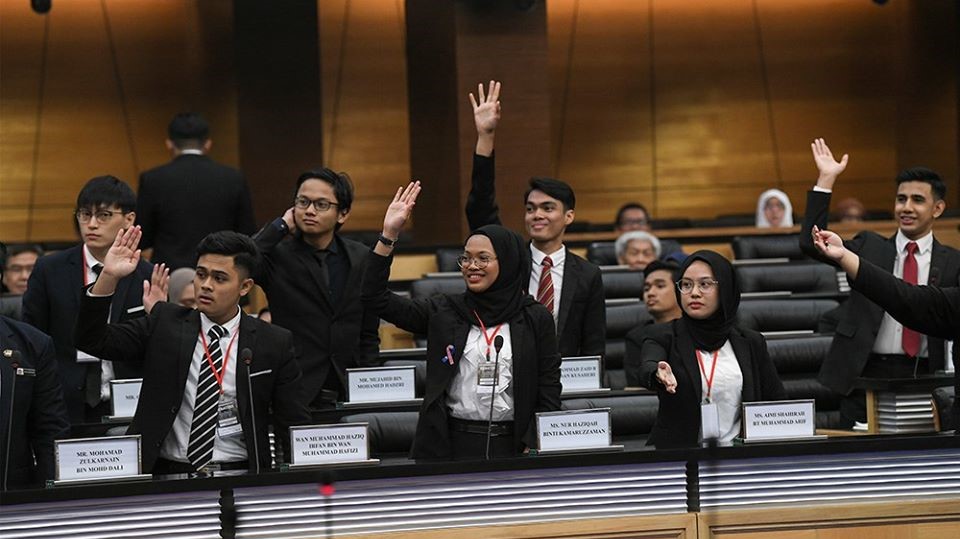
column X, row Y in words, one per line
column 246, row 356
column 14, row 356
column 497, row 344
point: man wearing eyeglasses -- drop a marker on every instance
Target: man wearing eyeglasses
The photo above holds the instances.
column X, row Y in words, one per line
column 105, row 206
column 311, row 276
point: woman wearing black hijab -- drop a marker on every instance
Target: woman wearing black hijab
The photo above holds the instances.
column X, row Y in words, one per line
column 462, row 331
column 703, row 361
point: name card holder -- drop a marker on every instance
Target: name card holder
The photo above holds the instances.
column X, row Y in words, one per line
column 575, row 431
column 582, row 374
column 124, row 396
column 95, row 460
column 767, row 421
column 383, row 386
column 341, row 444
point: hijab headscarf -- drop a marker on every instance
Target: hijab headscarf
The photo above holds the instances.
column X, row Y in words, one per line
column 180, row 278
column 508, row 293
column 787, row 208
column 711, row 333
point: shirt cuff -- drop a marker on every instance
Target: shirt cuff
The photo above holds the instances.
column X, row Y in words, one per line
column 90, row 294
column 819, row 189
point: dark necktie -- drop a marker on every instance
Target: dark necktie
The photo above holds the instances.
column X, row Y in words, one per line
column 97, row 268
column 204, row 428
column 910, row 338
column 545, row 289
column 321, row 256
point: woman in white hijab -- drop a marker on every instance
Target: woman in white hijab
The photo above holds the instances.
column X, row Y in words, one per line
column 774, row 210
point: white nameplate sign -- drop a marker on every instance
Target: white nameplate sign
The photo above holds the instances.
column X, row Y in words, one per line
column 581, row 374
column 314, row 445
column 575, row 430
column 381, row 384
column 94, row 459
column 775, row 420
column 124, row 396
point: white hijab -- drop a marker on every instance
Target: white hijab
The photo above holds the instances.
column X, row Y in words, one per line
column 787, row 208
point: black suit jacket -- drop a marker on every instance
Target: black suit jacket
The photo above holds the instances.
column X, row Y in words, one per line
column 345, row 335
column 859, row 318
column 179, row 203
column 536, row 362
column 51, row 304
column 678, row 417
column 39, row 415
column 582, row 320
column 163, row 343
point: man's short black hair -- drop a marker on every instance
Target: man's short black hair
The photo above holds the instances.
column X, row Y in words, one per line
column 553, row 188
column 106, row 192
column 922, row 174
column 244, row 251
column 660, row 265
column 630, row 206
column 188, row 130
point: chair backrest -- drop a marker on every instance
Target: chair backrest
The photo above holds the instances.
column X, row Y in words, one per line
column 432, row 286
column 620, row 320
column 622, row 284
column 773, row 246
column 630, row 415
column 798, row 361
column 797, row 278
column 943, row 401
column 602, row 253
column 390, row 432
column 783, row 314
column 447, row 258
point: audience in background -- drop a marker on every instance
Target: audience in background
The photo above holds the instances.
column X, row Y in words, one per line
column 104, row 208
column 191, row 196
column 632, row 216
column 850, row 210
column 181, row 287
column 569, row 286
column 17, row 266
column 774, row 210
column 636, row 249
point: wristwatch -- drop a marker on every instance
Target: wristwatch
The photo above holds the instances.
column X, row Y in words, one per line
column 387, row 241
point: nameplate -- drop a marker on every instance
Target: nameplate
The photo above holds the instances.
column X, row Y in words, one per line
column 124, row 396
column 776, row 420
column 381, row 384
column 319, row 445
column 581, row 374
column 97, row 459
column 575, row 430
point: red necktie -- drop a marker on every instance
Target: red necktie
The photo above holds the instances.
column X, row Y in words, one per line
column 545, row 289
column 911, row 339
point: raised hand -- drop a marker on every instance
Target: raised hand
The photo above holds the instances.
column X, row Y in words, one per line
column 399, row 210
column 289, row 220
column 123, row 256
column 486, row 111
column 666, row 378
column 829, row 167
column 156, row 289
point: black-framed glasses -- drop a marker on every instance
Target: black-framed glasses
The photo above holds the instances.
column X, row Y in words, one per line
column 102, row 216
column 685, row 286
column 321, row 205
column 480, row 262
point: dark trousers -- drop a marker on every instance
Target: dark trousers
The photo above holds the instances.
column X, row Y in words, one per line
column 473, row 445
column 853, row 407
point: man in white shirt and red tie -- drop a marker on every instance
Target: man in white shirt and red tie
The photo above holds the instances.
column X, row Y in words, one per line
column 868, row 342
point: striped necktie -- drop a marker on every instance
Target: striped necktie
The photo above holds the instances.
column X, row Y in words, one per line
column 204, row 429
column 545, row 289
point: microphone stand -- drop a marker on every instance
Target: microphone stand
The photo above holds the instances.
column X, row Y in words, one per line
column 498, row 344
column 247, row 356
column 14, row 356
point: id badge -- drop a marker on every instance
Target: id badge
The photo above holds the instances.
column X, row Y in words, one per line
column 83, row 357
column 709, row 421
column 228, row 419
column 486, row 376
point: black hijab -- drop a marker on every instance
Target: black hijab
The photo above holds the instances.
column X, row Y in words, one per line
column 711, row 333
column 508, row 293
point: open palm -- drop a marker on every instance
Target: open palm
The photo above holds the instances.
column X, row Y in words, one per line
column 400, row 209
column 486, row 111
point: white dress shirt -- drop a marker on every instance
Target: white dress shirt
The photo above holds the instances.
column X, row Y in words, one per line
column 558, row 257
column 106, row 367
column 890, row 335
column 465, row 399
column 727, row 390
column 227, row 449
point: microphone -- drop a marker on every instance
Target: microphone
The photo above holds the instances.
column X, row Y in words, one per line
column 246, row 356
column 14, row 357
column 497, row 344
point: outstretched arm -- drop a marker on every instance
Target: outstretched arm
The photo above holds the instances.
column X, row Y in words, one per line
column 481, row 205
column 818, row 200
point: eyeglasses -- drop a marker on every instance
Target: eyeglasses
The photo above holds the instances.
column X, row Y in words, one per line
column 685, row 286
column 481, row 262
column 319, row 205
column 103, row 216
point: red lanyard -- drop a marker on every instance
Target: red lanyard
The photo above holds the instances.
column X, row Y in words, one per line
column 489, row 339
column 226, row 358
column 713, row 370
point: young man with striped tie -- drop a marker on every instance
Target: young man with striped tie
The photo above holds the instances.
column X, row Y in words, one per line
column 200, row 366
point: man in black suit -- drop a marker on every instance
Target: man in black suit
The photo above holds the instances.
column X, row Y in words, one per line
column 104, row 206
column 195, row 406
column 566, row 284
column 311, row 276
column 869, row 342
column 37, row 416
column 184, row 200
